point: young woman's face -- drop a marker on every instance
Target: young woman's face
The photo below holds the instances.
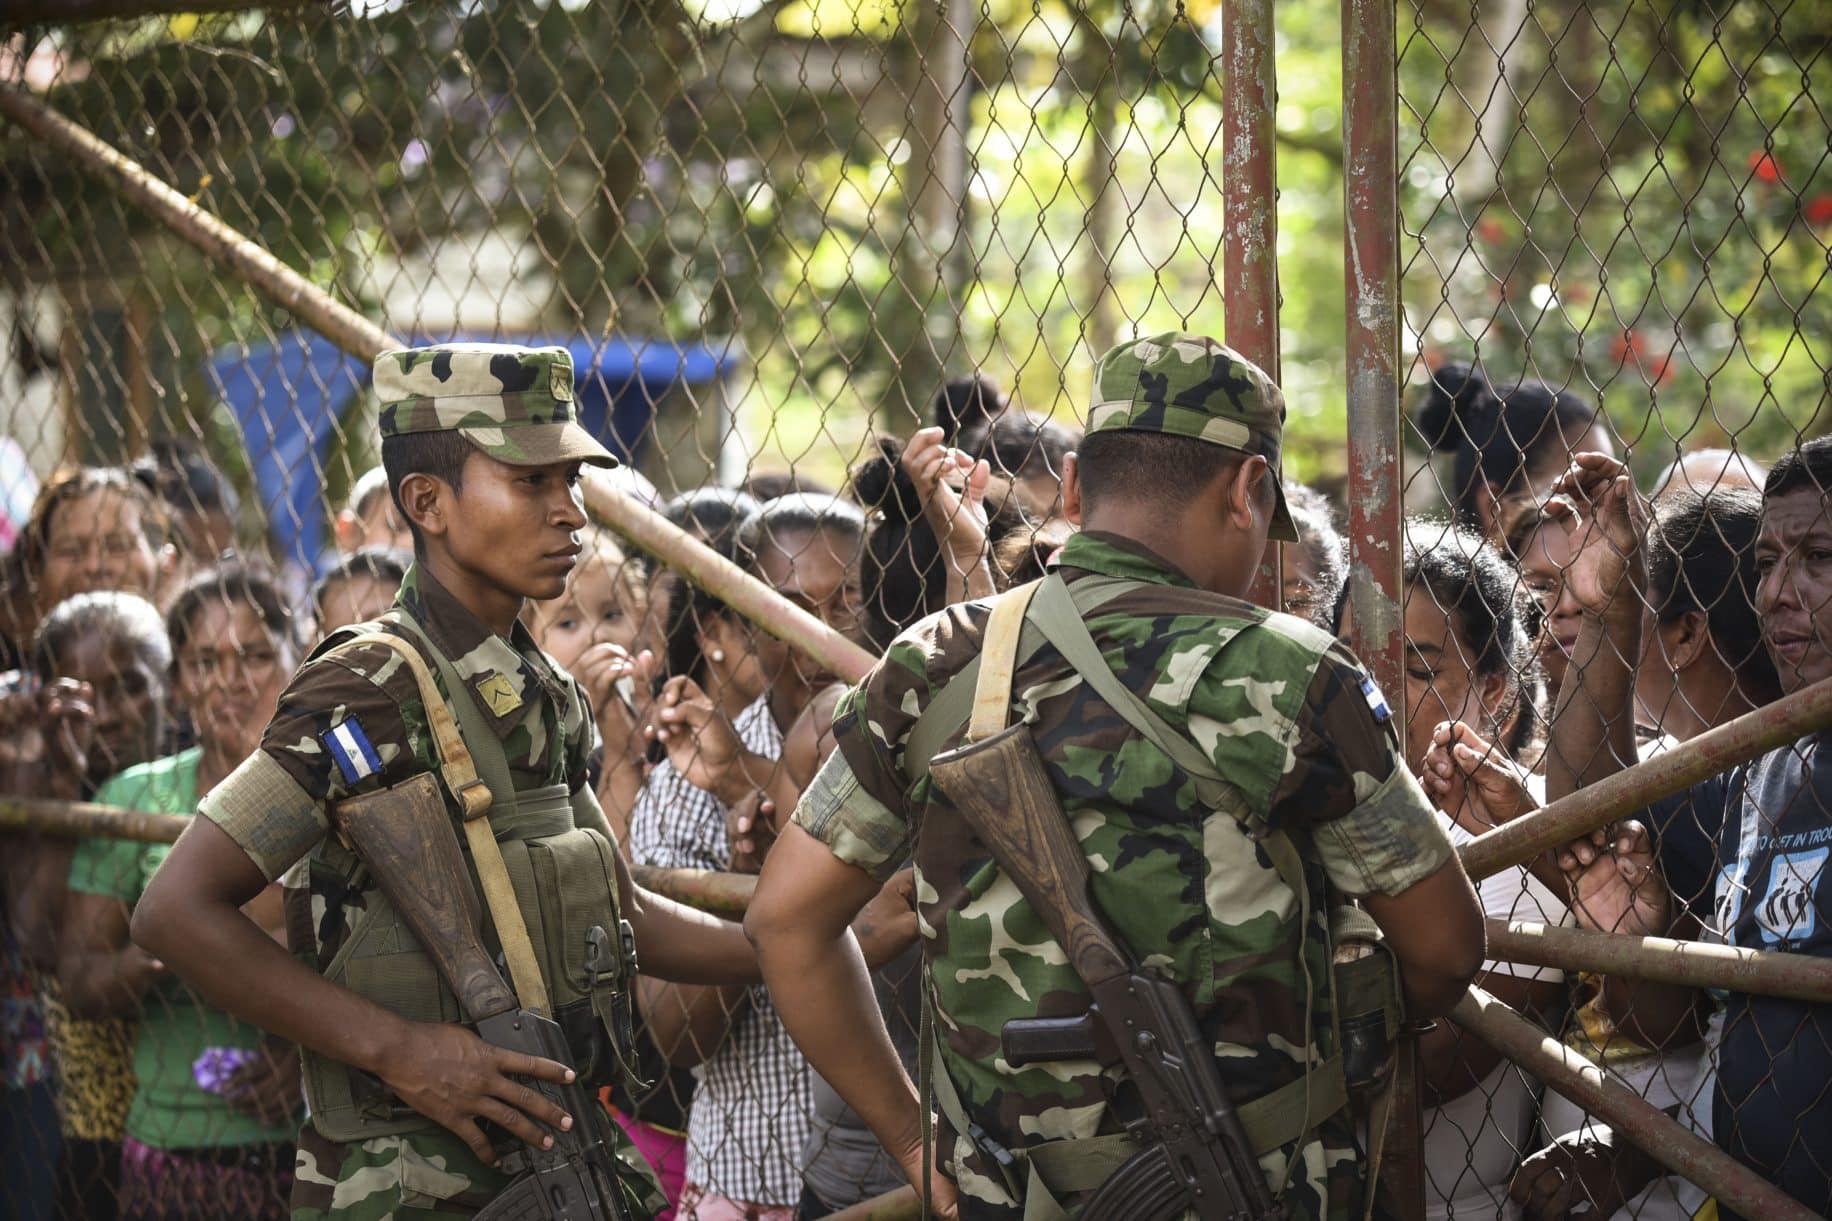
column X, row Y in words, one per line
column 1543, row 561
column 818, row 571
column 593, row 610
column 230, row 675
column 1441, row 682
column 129, row 701
column 97, row 541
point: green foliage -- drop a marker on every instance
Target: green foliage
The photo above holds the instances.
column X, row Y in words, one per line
column 1648, row 223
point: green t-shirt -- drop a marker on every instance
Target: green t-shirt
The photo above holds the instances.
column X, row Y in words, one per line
column 169, row 1111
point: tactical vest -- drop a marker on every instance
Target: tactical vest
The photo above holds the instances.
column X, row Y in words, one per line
column 565, row 881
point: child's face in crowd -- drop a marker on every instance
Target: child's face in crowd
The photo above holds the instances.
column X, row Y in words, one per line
column 1794, row 590
column 1440, row 682
column 97, row 542
column 819, row 572
column 129, row 702
column 517, row 527
column 230, row 675
column 591, row 611
column 356, row 600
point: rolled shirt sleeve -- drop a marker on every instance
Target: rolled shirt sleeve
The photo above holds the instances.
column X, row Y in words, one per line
column 274, row 805
column 1346, row 783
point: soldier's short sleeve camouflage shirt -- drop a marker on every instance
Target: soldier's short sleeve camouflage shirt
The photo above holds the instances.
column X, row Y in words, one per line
column 352, row 722
column 1289, row 717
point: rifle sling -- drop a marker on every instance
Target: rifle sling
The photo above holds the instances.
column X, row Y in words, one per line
column 459, row 768
column 950, row 707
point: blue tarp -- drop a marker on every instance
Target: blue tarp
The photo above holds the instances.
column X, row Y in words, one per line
column 289, row 397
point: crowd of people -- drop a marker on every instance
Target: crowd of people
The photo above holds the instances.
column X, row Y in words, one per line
column 1561, row 623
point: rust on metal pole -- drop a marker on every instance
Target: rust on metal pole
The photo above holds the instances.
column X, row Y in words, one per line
column 1631, row 789
column 724, row 580
column 1249, row 208
column 361, row 338
column 1681, row 1151
column 722, row 894
column 1370, row 137
column 1370, row 142
column 80, row 818
column 132, row 181
column 1694, row 964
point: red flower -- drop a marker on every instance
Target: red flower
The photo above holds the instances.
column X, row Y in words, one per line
column 1490, row 230
column 1818, row 211
column 1764, row 167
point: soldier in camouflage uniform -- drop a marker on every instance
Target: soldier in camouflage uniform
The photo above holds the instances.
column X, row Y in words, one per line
column 1176, row 488
column 484, row 457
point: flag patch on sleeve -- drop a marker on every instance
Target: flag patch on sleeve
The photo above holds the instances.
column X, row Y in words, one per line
column 1377, row 703
column 350, row 746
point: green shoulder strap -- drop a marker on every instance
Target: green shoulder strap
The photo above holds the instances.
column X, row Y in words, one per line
column 949, row 708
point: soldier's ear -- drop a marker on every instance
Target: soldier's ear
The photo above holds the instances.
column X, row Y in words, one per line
column 423, row 499
column 1071, row 488
column 1244, row 491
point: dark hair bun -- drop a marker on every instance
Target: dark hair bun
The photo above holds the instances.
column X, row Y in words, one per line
column 880, row 484
column 966, row 402
column 1456, row 402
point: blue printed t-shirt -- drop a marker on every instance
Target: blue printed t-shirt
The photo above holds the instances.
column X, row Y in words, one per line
column 1773, row 1107
column 170, row 1110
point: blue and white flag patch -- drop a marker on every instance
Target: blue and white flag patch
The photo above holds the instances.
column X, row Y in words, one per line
column 351, row 747
column 1377, row 703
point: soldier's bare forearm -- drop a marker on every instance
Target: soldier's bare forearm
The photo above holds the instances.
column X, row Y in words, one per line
column 191, row 918
column 800, row 921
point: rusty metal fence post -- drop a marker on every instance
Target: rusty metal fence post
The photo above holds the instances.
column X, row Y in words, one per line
column 1370, row 135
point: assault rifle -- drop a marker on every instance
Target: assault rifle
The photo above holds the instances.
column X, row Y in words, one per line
column 1194, row 1153
column 404, row 836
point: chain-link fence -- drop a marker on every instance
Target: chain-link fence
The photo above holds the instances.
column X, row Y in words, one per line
column 776, row 237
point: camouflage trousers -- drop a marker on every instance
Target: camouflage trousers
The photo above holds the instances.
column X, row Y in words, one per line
column 429, row 1176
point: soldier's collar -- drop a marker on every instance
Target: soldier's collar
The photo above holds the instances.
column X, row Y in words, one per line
column 1115, row 555
column 503, row 674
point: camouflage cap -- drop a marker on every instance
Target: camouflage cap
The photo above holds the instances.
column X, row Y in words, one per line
column 1192, row 386
column 513, row 403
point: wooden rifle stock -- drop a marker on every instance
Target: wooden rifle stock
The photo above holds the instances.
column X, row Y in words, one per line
column 404, row 836
column 1000, row 787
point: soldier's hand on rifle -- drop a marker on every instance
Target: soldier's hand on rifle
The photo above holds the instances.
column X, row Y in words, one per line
column 1607, row 518
column 454, row 1078
column 1615, row 885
